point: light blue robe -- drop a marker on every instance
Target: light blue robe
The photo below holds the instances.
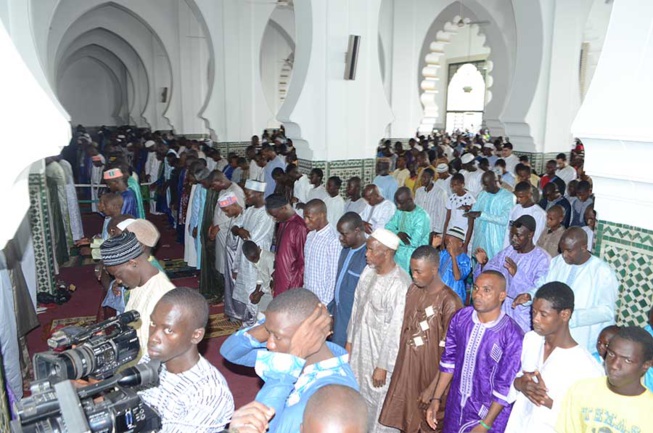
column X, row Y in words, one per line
column 490, row 228
column 196, row 216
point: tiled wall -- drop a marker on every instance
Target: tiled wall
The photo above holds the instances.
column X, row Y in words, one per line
column 629, row 250
column 237, row 147
column 538, row 160
column 39, row 217
column 363, row 168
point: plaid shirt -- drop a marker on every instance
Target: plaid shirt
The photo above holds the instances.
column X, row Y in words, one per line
column 321, row 253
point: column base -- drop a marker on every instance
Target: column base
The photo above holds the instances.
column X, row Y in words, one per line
column 629, row 251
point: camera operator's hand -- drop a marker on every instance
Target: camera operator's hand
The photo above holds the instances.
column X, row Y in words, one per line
column 311, row 334
column 251, row 418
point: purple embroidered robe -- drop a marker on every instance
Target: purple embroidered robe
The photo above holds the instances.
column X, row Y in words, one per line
column 484, row 359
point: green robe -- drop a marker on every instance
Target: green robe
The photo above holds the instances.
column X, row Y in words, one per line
column 134, row 186
column 211, row 282
column 415, row 224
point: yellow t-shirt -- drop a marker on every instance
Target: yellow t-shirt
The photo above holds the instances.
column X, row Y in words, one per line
column 590, row 407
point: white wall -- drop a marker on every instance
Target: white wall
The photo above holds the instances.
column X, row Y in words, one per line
column 89, row 93
column 274, row 50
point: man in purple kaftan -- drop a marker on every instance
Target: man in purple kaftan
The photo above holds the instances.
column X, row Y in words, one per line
column 481, row 359
column 522, row 264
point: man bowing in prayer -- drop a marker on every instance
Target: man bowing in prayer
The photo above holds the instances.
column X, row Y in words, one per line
column 375, row 327
column 430, row 304
column 257, row 226
column 289, row 247
column 411, row 224
column 116, row 183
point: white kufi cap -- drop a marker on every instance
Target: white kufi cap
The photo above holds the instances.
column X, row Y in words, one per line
column 387, row 238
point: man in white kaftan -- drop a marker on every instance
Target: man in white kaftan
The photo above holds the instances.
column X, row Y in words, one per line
column 97, row 170
column 378, row 211
column 257, row 226
column 594, row 283
column 374, row 331
column 566, row 363
column 76, row 229
column 152, row 172
column 222, row 221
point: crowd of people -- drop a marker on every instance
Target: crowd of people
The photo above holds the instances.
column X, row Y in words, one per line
column 456, row 292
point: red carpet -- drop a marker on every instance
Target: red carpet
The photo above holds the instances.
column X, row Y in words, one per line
column 243, row 382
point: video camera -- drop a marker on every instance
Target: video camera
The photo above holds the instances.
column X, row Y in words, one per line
column 100, row 350
column 62, row 408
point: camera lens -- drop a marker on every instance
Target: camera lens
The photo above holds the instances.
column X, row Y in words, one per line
column 79, row 362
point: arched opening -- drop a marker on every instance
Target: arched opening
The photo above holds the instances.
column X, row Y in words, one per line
column 460, row 42
column 465, row 96
column 277, row 59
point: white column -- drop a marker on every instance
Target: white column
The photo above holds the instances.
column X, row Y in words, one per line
column 330, row 118
column 614, row 121
column 236, row 109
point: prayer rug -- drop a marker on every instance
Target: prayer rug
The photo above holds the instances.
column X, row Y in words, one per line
column 218, row 326
column 71, row 321
column 178, row 268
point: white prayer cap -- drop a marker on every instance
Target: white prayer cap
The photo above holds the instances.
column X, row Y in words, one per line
column 442, row 168
column 387, row 238
column 122, row 225
column 228, row 199
column 467, row 158
column 149, row 143
column 255, row 185
column 476, row 145
column 489, row 146
column 121, row 136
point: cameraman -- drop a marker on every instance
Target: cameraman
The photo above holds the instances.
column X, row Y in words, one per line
column 124, row 259
column 192, row 395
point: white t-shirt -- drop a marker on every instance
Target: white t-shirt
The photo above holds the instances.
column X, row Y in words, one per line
column 453, row 204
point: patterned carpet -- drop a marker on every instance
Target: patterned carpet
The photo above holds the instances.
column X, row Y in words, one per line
column 218, row 325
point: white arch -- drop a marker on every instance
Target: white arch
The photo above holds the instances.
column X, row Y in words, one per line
column 142, row 112
column 121, row 77
column 431, row 73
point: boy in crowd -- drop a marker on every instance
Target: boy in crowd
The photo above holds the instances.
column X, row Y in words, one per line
column 620, row 401
column 550, row 238
column 263, row 261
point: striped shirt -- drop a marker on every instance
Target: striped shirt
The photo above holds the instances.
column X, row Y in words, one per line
column 197, row 400
column 434, row 202
column 321, row 253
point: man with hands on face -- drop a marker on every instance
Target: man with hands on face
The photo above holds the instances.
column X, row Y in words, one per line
column 298, row 360
column 522, row 264
column 551, row 361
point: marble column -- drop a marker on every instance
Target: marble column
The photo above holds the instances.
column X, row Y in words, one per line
column 615, row 126
column 335, row 123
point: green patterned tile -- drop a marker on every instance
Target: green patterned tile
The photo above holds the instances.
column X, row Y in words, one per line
column 629, row 250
